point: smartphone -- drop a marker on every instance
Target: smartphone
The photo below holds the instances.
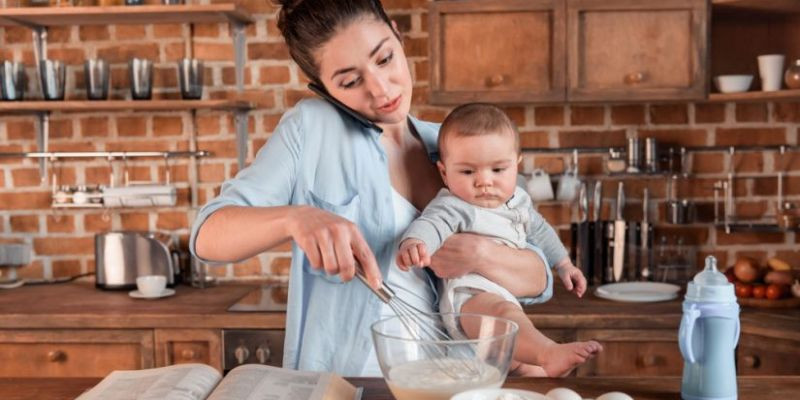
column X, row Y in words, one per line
column 319, row 90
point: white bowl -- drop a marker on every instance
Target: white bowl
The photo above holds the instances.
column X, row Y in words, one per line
column 733, row 83
column 494, row 394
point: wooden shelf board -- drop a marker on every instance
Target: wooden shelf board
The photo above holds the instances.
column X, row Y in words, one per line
column 120, row 105
column 145, row 14
column 759, row 5
column 751, row 96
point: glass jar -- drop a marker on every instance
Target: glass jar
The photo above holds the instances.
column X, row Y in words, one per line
column 792, row 76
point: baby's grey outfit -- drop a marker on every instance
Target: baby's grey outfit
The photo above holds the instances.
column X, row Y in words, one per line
column 514, row 224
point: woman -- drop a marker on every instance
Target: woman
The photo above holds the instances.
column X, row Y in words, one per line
column 344, row 192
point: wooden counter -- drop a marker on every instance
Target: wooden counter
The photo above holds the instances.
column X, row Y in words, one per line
column 750, row 388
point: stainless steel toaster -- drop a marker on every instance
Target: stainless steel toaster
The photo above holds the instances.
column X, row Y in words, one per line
column 121, row 257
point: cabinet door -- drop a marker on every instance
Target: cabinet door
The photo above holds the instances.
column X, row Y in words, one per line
column 180, row 346
column 633, row 353
column 73, row 353
column 503, row 51
column 634, row 50
column 758, row 355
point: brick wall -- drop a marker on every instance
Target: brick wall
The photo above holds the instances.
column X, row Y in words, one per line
column 63, row 239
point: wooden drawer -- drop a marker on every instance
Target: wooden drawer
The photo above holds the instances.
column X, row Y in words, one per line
column 180, row 346
column 73, row 353
column 758, row 355
column 633, row 353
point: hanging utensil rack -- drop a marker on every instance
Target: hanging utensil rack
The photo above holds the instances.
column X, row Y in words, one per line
column 56, row 155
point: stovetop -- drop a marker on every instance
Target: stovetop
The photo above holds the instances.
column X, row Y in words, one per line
column 271, row 297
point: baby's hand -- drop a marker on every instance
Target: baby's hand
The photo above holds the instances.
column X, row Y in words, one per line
column 572, row 278
column 412, row 252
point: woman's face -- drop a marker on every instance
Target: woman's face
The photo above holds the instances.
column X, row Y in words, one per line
column 364, row 66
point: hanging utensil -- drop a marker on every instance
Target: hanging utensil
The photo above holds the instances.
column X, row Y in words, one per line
column 583, row 257
column 619, row 234
column 596, row 231
column 646, row 247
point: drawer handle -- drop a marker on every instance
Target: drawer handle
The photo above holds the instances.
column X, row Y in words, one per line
column 649, row 360
column 188, row 354
column 263, row 354
column 752, row 361
column 634, row 78
column 56, row 356
column 495, row 80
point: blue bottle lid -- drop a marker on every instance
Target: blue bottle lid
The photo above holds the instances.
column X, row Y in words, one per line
column 710, row 285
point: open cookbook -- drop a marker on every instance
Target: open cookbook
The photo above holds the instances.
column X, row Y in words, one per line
column 200, row 382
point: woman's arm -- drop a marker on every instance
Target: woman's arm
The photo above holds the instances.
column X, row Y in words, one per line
column 522, row 272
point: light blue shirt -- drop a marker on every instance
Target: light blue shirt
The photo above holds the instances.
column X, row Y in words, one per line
column 320, row 157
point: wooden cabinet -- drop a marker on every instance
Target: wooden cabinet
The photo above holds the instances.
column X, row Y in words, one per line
column 497, row 50
column 634, row 50
column 73, row 352
column 181, row 346
column 633, row 353
column 514, row 51
column 758, row 355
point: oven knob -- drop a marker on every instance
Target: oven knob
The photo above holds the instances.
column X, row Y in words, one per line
column 241, row 353
column 263, row 354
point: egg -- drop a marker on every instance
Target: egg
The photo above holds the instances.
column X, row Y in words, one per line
column 564, row 394
column 614, row 396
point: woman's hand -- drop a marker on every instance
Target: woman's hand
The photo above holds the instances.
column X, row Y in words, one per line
column 333, row 243
column 459, row 255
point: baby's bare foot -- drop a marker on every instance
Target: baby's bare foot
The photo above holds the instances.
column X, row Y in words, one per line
column 561, row 359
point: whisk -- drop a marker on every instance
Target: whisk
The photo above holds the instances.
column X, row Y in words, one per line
column 425, row 327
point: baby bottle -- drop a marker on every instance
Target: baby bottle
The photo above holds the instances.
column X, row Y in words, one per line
column 708, row 335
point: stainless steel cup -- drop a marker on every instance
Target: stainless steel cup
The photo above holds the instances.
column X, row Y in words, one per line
column 96, row 76
column 634, row 153
column 141, row 78
column 53, row 74
column 651, row 159
column 172, row 2
column 190, row 76
column 13, row 80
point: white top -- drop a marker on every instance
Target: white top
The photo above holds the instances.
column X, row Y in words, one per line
column 411, row 286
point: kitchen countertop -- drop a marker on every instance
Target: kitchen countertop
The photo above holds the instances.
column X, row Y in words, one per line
column 654, row 388
column 81, row 305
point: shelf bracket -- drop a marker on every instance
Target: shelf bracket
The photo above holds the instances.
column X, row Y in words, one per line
column 241, row 137
column 42, row 139
column 238, row 48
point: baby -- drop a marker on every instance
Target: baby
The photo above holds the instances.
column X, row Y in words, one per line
column 479, row 148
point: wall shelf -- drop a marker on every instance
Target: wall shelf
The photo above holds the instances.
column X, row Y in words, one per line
column 758, row 5
column 754, row 96
column 121, row 105
column 146, row 14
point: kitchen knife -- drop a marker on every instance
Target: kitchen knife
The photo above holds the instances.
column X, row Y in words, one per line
column 619, row 234
column 646, row 248
column 598, row 261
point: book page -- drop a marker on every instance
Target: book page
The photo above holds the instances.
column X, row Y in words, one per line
column 176, row 382
column 262, row 382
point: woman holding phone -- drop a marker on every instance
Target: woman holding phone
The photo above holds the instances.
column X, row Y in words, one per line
column 342, row 178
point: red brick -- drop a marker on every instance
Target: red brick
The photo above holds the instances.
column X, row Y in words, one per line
column 748, row 162
column 20, row 129
column 167, row 78
column 604, row 138
column 66, row 268
column 267, row 51
column 206, row 30
column 60, row 128
column 130, row 32
column 516, row 114
column 219, row 148
column 67, row 55
column 708, row 163
column 627, row 115
column 750, row 136
column 96, row 223
column 669, row 114
column 121, row 54
column 786, row 112
column 163, row 31
column 172, row 220
column 213, row 51
column 60, row 223
column 249, row 267
column 756, row 238
column 17, row 34
column 277, row 74
column 586, row 115
column 549, row 116
column 750, row 210
column 178, row 173
column 211, row 172
column 765, row 186
column 62, row 245
column 709, row 113
column 25, row 200
column 135, row 221
column 751, row 112
column 174, row 51
column 90, row 33
column 58, row 34
column 94, row 127
column 792, row 186
column 280, row 266
column 34, row 270
column 229, row 76
column 24, row 223
column 534, row 140
column 24, row 177
column 167, row 126
column 677, row 137
column 132, row 126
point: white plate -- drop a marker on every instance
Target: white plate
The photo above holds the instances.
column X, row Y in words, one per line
column 638, row 292
column 494, row 394
column 139, row 295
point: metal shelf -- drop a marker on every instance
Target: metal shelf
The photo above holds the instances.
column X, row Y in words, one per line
column 107, row 15
column 121, row 105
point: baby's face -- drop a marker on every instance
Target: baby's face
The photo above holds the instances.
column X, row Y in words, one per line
column 481, row 170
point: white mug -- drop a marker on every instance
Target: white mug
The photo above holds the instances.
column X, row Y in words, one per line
column 539, row 186
column 770, row 68
column 151, row 285
column 568, row 186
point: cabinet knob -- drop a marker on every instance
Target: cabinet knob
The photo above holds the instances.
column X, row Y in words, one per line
column 189, row 354
column 495, row 80
column 241, row 353
column 56, row 356
column 263, row 354
column 751, row 361
column 634, row 78
column 649, row 360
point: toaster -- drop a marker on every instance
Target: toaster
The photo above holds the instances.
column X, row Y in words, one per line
column 121, row 257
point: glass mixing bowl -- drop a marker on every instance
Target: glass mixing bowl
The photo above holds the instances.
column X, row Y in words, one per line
column 418, row 365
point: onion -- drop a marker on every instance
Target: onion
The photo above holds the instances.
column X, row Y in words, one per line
column 746, row 269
